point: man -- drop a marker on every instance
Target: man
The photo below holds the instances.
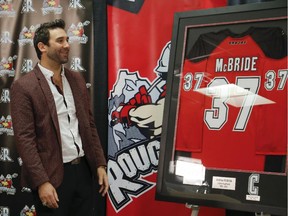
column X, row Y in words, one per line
column 55, row 132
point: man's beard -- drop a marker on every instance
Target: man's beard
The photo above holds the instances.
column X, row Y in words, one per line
column 57, row 57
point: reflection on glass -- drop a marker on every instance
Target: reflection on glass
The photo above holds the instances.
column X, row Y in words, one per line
column 192, row 170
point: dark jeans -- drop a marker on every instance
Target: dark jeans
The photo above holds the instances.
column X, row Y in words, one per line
column 75, row 193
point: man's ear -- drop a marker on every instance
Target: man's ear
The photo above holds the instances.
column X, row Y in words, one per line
column 41, row 46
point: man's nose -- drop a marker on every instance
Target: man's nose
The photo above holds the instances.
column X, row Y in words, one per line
column 66, row 44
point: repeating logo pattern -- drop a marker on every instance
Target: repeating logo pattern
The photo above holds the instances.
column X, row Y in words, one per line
column 26, row 211
column 5, row 155
column 7, row 66
column 6, row 125
column 26, row 35
column 27, row 65
column 4, row 211
column 6, row 8
column 27, row 7
column 5, row 95
column 52, row 6
column 6, row 38
column 76, row 33
column 6, row 184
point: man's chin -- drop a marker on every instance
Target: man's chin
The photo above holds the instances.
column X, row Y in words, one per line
column 64, row 61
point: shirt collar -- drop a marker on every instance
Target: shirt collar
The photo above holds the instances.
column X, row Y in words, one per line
column 48, row 73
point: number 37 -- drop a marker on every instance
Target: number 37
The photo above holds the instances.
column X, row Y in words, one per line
column 216, row 117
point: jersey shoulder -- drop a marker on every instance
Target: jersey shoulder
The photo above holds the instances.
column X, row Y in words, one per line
column 271, row 40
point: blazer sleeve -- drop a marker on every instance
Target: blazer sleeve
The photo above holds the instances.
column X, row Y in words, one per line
column 101, row 161
column 96, row 143
column 24, row 133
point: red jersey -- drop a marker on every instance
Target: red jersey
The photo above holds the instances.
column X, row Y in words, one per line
column 233, row 98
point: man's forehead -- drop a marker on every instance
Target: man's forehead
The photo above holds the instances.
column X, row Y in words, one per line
column 57, row 33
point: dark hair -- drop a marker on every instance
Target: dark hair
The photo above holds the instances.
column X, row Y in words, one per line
column 42, row 33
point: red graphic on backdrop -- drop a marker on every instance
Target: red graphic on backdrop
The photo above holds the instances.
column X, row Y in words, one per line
column 135, row 112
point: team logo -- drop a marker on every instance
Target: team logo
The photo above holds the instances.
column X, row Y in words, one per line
column 26, row 35
column 135, row 124
column 6, row 184
column 6, row 66
column 27, row 65
column 4, row 211
column 133, row 6
column 6, row 8
column 6, row 126
column 6, row 38
column 5, row 96
column 76, row 65
column 5, row 155
column 76, row 33
column 27, row 7
column 52, row 6
column 26, row 211
column 75, row 4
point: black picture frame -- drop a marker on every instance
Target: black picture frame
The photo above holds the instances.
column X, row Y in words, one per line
column 272, row 185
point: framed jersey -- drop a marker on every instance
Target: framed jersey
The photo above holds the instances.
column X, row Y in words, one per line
column 224, row 134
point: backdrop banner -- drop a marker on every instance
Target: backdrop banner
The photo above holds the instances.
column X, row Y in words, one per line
column 18, row 21
column 139, row 35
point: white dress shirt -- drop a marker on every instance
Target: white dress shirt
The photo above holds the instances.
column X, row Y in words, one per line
column 69, row 132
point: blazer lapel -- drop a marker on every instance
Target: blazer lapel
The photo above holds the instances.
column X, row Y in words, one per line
column 49, row 98
column 76, row 94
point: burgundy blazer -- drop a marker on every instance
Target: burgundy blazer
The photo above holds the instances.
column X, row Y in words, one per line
column 36, row 128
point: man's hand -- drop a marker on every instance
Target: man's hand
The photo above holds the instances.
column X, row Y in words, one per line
column 48, row 195
column 102, row 180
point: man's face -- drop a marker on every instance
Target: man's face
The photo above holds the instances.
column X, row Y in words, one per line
column 58, row 47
